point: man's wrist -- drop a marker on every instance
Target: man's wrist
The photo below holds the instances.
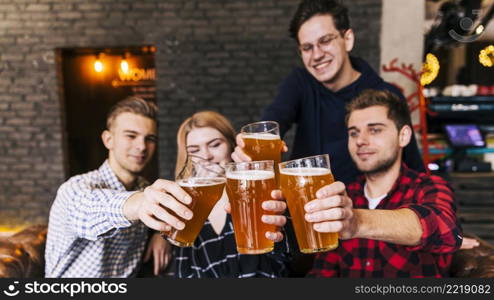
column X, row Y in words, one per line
column 131, row 206
column 357, row 224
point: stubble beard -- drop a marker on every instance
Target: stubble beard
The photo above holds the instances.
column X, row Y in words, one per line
column 381, row 166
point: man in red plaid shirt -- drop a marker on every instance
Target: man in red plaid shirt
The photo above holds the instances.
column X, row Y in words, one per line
column 393, row 221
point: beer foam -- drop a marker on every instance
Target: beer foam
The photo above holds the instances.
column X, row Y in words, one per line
column 200, row 181
column 261, row 136
column 305, row 171
column 250, row 175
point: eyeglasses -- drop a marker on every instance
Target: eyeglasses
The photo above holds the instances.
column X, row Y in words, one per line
column 323, row 43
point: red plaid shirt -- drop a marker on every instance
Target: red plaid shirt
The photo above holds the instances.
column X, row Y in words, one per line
column 432, row 200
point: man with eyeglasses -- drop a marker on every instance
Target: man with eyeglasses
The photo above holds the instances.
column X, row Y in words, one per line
column 314, row 97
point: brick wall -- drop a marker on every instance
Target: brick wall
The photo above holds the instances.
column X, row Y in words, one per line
column 228, row 56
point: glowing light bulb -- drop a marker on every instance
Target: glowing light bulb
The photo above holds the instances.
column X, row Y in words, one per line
column 124, row 65
column 98, row 66
column 479, row 29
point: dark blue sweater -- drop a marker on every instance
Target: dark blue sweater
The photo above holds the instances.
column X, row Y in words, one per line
column 320, row 117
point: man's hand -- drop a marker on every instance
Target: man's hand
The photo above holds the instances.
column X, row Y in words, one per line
column 153, row 205
column 160, row 250
column 277, row 206
column 332, row 211
column 469, row 243
column 240, row 156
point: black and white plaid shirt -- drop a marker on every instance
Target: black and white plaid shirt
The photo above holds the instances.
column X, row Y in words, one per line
column 215, row 256
column 88, row 235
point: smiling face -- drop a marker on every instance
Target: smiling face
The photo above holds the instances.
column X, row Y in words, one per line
column 374, row 141
column 324, row 50
column 131, row 142
column 208, row 143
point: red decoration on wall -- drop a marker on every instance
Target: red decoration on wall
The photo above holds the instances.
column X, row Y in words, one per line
column 416, row 101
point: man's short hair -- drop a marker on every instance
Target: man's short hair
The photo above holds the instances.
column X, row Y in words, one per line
column 397, row 108
column 309, row 8
column 133, row 105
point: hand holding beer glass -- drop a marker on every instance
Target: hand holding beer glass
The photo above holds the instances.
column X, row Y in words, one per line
column 248, row 185
column 262, row 142
column 204, row 182
column 300, row 179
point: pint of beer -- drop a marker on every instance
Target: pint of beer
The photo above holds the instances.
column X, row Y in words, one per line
column 205, row 185
column 248, row 185
column 205, row 192
column 262, row 142
column 300, row 180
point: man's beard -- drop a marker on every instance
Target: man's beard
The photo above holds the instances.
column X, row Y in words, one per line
column 381, row 166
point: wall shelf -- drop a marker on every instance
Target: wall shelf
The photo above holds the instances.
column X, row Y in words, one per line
column 469, row 151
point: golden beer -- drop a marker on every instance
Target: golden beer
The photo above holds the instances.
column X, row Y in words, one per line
column 205, row 192
column 246, row 190
column 299, row 186
column 263, row 146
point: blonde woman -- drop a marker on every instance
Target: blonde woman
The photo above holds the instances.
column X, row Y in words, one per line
column 211, row 136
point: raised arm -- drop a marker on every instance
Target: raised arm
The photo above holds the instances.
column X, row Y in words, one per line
column 93, row 212
column 437, row 214
column 154, row 206
column 90, row 212
column 419, row 225
column 400, row 226
column 333, row 211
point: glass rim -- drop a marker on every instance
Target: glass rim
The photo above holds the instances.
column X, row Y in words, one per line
column 258, row 123
column 189, row 157
column 249, row 162
column 281, row 164
column 204, row 163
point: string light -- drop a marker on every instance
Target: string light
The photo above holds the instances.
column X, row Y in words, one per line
column 486, row 56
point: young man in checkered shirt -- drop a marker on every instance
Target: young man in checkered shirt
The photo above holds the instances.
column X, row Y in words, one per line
column 392, row 221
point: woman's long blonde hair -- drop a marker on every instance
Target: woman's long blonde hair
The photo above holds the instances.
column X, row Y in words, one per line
column 199, row 120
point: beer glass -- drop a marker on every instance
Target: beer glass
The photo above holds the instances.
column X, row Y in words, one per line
column 262, row 142
column 300, row 179
column 248, row 184
column 204, row 182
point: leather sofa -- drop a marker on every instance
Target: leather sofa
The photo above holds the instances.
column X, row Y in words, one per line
column 22, row 254
column 477, row 262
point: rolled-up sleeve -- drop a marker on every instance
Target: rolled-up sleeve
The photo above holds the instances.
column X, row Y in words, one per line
column 93, row 212
column 436, row 210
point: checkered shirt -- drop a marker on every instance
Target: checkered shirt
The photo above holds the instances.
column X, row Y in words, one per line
column 431, row 199
column 215, row 256
column 88, row 235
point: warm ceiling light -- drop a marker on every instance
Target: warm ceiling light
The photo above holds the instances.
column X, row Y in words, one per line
column 124, row 65
column 98, row 66
column 486, row 56
column 479, row 29
column 5, row 230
